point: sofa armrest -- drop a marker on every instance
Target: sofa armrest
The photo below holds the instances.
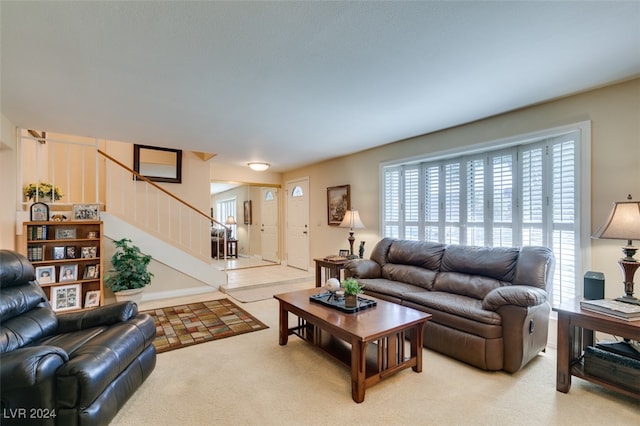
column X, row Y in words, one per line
column 517, row 295
column 104, row 315
column 363, row 268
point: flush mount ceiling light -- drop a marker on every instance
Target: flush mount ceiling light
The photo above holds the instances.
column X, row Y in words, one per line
column 259, row 167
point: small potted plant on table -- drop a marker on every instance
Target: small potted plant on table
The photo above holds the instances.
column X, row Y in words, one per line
column 351, row 291
column 129, row 274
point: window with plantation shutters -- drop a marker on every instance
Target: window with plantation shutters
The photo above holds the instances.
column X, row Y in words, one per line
column 522, row 194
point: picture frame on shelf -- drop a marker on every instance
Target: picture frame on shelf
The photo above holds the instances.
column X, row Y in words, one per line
column 68, row 273
column 92, row 299
column 89, row 252
column 65, row 233
column 39, row 212
column 46, row 274
column 343, row 253
column 65, row 298
column 70, row 252
column 91, row 272
column 86, row 211
column 338, row 202
column 58, row 252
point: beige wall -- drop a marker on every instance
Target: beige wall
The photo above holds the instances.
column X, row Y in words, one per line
column 614, row 112
column 7, row 183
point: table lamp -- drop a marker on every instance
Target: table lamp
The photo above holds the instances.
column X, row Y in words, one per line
column 624, row 224
column 352, row 221
column 230, row 221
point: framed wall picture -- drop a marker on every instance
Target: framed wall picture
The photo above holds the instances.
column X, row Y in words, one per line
column 68, row 273
column 86, row 211
column 65, row 297
column 39, row 212
column 338, row 202
column 247, row 212
column 92, row 299
column 46, row 274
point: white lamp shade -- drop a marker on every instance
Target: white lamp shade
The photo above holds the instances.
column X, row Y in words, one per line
column 230, row 220
column 352, row 220
column 623, row 222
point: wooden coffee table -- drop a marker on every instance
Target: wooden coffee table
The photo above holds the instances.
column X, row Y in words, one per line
column 347, row 336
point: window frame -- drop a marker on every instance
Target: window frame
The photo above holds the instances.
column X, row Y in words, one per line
column 582, row 179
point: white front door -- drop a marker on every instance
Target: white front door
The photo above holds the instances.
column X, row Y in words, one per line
column 269, row 224
column 297, row 229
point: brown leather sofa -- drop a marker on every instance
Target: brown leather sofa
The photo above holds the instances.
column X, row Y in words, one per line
column 490, row 306
column 77, row 368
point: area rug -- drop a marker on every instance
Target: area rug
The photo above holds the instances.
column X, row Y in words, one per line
column 193, row 323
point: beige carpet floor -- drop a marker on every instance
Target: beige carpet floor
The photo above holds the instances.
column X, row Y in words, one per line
column 251, row 380
column 266, row 291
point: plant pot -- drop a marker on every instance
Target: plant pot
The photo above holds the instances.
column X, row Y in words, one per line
column 134, row 295
column 350, row 300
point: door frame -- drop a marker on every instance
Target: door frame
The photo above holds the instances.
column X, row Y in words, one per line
column 286, row 212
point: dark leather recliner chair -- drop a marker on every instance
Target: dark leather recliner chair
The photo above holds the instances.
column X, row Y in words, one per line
column 71, row 369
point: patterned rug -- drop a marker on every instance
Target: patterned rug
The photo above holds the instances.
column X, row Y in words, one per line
column 193, row 323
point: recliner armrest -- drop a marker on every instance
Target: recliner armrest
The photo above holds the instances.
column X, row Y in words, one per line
column 518, row 295
column 30, row 367
column 363, row 268
column 104, row 315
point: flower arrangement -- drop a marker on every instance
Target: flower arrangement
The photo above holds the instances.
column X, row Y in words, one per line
column 43, row 189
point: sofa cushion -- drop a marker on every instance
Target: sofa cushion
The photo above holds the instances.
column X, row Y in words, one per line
column 462, row 306
column 385, row 286
column 475, row 286
column 424, row 254
column 409, row 274
column 492, row 262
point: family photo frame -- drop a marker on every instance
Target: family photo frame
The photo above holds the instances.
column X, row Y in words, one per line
column 86, row 211
column 46, row 274
column 92, row 299
column 67, row 297
column 68, row 273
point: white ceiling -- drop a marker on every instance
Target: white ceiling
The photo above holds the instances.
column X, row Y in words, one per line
column 292, row 83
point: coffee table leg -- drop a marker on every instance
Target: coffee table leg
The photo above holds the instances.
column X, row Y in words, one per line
column 284, row 325
column 416, row 346
column 358, row 370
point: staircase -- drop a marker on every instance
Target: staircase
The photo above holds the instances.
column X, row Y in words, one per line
column 172, row 231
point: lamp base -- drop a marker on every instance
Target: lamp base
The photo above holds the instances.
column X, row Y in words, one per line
column 628, row 299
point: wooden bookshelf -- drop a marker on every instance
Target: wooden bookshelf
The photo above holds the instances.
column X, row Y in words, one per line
column 68, row 261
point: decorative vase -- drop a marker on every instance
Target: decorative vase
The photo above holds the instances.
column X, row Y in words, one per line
column 350, row 300
column 134, row 295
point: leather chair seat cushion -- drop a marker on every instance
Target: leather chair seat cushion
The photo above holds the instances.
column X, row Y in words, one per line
column 101, row 354
column 455, row 305
column 388, row 287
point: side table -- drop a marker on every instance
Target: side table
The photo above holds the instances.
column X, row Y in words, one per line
column 576, row 328
column 332, row 269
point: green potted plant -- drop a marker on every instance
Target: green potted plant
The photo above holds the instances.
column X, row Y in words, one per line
column 129, row 274
column 45, row 191
column 351, row 290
